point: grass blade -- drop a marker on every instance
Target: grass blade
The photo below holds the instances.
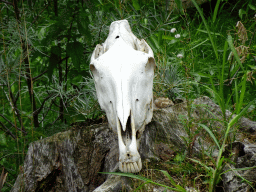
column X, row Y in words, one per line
column 239, row 105
column 237, row 117
column 231, row 45
column 210, row 133
column 207, row 28
column 216, row 11
column 143, row 179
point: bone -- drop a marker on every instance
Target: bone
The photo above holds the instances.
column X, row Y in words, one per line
column 139, row 164
column 120, row 167
column 123, row 71
column 128, row 167
column 136, row 167
column 132, row 168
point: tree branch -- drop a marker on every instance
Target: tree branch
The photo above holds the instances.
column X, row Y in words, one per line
column 8, row 130
column 56, row 104
column 16, row 98
column 55, row 120
column 35, row 78
column 42, row 105
column 46, row 113
column 13, row 124
column 40, row 13
column 63, row 59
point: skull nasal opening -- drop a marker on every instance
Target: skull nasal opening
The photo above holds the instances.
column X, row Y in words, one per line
column 127, row 134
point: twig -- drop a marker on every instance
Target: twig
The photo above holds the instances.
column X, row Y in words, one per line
column 35, row 78
column 14, row 107
column 13, row 124
column 63, row 59
column 2, row 179
column 8, row 131
column 42, row 105
column 46, row 113
column 40, row 13
column 55, row 120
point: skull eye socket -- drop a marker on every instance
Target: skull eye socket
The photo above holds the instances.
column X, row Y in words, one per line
column 117, row 36
column 137, row 99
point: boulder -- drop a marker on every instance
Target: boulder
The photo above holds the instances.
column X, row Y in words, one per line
column 72, row 160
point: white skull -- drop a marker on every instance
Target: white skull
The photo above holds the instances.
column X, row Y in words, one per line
column 123, row 70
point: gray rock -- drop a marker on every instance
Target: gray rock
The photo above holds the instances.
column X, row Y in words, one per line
column 72, row 160
column 114, row 184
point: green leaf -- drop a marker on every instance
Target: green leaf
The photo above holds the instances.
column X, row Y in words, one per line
column 136, row 5
column 241, row 12
column 168, row 37
column 252, row 7
column 13, row 88
column 75, row 51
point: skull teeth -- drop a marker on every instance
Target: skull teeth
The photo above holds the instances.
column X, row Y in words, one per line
column 130, row 167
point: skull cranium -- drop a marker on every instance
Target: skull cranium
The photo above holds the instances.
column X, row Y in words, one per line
column 123, row 71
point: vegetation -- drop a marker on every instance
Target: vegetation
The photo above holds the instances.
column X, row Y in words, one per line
column 45, row 83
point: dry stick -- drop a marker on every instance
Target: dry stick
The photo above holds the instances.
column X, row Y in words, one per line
column 8, row 131
column 2, row 179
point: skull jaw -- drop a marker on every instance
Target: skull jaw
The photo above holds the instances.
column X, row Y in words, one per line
column 129, row 159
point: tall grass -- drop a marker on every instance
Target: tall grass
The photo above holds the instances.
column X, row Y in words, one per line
column 217, row 90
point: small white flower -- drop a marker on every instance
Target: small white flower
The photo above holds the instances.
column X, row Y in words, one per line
column 177, row 36
column 180, row 56
column 173, row 30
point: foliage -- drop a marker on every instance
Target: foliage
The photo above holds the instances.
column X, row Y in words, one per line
column 45, row 49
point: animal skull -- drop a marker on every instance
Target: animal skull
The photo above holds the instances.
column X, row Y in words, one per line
column 123, row 70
